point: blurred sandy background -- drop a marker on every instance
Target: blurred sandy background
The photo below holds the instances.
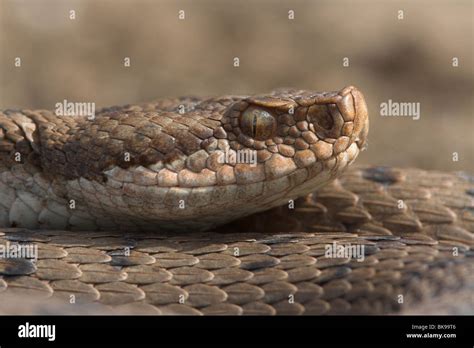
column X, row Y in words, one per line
column 404, row 60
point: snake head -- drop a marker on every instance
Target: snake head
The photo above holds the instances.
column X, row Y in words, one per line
column 307, row 138
column 196, row 163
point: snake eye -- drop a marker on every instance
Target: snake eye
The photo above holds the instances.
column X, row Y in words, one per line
column 258, row 124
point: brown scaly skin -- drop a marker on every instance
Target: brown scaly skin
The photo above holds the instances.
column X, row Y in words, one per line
column 417, row 227
column 422, row 252
column 146, row 166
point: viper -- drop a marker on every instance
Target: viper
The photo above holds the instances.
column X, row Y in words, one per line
column 157, row 208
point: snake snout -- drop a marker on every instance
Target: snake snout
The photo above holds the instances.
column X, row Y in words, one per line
column 342, row 114
column 361, row 118
column 353, row 109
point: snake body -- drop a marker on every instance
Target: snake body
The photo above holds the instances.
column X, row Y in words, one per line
column 141, row 210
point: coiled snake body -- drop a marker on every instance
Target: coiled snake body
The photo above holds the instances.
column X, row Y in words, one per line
column 209, row 206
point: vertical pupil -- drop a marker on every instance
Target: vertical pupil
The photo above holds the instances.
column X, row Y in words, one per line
column 254, row 125
column 258, row 124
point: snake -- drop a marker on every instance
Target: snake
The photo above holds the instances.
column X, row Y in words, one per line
column 226, row 205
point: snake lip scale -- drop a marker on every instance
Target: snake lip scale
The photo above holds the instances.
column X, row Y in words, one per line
column 208, row 231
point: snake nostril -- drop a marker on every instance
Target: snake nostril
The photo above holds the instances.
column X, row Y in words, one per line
column 320, row 117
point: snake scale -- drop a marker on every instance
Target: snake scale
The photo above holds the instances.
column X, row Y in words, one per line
column 226, row 205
